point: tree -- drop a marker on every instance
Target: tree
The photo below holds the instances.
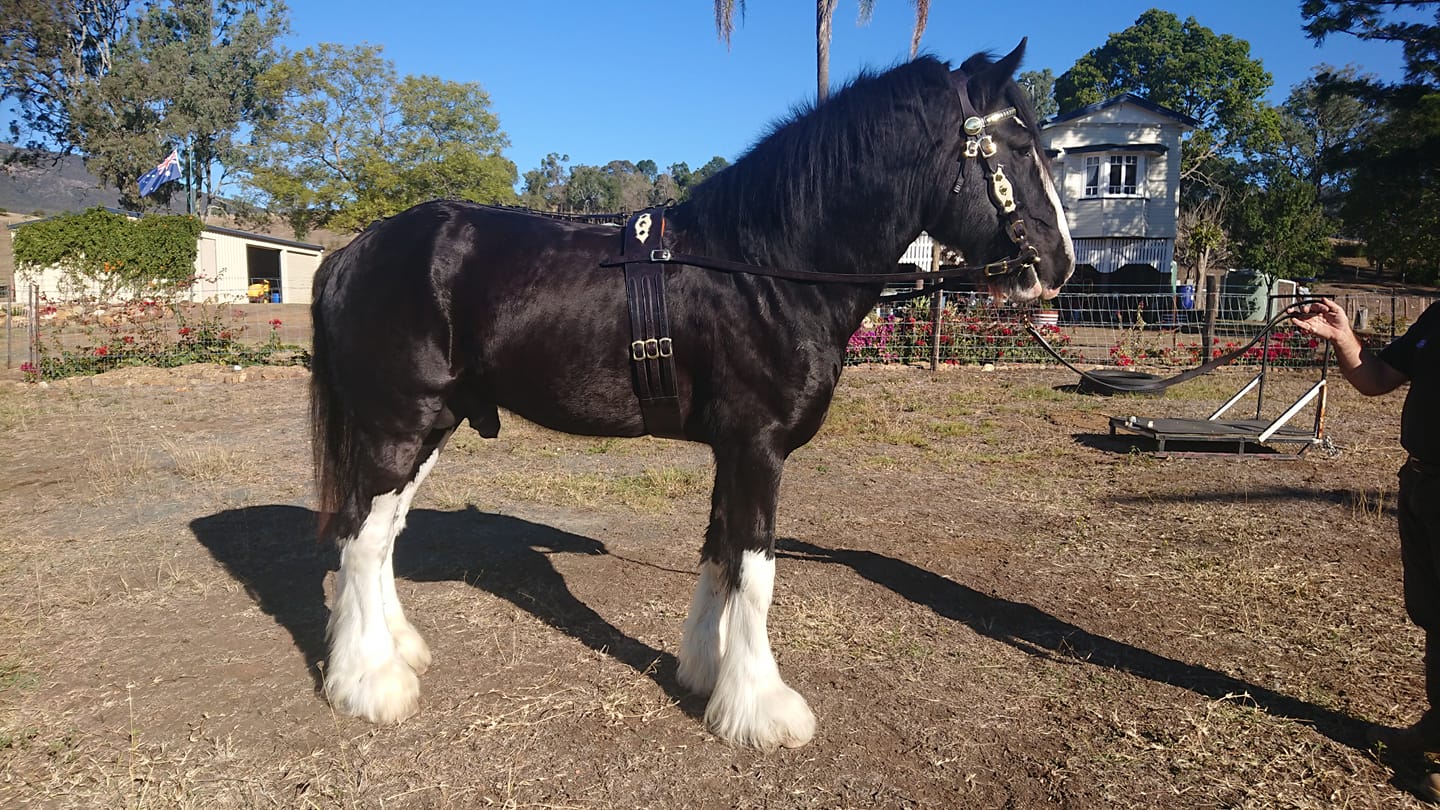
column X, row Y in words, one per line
column 1372, row 21
column 1040, row 86
column 1187, row 68
column 1394, row 199
column 545, row 186
column 824, row 26
column 710, row 169
column 49, row 51
column 1317, row 122
column 188, row 76
column 1279, row 228
column 1394, row 161
column 351, row 143
column 591, row 191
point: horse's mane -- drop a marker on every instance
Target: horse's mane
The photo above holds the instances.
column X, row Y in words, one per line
column 783, row 184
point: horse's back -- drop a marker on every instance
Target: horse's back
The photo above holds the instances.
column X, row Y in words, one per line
column 479, row 306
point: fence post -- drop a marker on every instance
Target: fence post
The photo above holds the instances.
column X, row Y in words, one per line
column 1212, row 310
column 32, row 328
column 937, row 309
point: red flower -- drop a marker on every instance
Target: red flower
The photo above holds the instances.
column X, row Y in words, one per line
column 101, row 351
column 275, row 323
column 129, row 338
column 185, row 330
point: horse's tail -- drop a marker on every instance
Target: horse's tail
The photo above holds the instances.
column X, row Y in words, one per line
column 332, row 424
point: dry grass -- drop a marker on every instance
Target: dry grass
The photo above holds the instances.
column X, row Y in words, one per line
column 1002, row 607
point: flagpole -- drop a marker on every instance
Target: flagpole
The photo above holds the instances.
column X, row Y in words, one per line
column 189, row 175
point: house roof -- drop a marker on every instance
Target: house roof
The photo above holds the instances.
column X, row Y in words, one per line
column 255, row 237
column 1123, row 98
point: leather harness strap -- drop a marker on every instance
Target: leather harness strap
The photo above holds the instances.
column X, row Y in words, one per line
column 652, row 351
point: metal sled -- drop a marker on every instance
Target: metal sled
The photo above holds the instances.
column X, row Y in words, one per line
column 1237, row 433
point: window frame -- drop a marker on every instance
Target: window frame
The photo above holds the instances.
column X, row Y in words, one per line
column 1105, row 174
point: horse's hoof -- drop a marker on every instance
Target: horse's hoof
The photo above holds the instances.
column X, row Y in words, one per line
column 385, row 695
column 771, row 718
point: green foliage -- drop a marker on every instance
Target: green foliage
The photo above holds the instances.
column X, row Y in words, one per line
column 352, row 143
column 112, row 251
column 1382, row 22
column 1317, row 122
column 1394, row 199
column 1183, row 66
column 619, row 185
column 189, row 73
column 1281, row 229
column 1040, row 85
column 49, row 52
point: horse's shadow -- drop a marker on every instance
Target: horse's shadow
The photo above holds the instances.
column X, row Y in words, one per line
column 272, row 551
column 1038, row 633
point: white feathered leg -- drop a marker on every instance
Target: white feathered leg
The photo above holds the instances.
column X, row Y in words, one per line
column 409, row 644
column 702, row 643
column 364, row 675
column 751, row 705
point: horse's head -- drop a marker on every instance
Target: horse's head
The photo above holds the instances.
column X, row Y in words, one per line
column 1003, row 211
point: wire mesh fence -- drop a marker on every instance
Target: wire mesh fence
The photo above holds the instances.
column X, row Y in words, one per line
column 50, row 339
column 1117, row 327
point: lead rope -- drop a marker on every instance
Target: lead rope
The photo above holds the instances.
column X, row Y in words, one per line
column 1130, row 384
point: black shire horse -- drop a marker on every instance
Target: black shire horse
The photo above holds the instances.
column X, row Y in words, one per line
column 451, row 310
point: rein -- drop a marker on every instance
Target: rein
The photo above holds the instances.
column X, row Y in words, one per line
column 1131, row 383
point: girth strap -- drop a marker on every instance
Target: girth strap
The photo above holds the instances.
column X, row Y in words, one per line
column 652, row 351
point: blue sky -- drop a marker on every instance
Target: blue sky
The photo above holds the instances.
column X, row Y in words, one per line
column 604, row 81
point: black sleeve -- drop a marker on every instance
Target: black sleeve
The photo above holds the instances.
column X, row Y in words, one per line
column 1400, row 354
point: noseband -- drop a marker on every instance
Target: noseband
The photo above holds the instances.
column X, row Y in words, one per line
column 980, row 146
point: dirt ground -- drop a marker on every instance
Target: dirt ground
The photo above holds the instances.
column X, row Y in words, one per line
column 988, row 601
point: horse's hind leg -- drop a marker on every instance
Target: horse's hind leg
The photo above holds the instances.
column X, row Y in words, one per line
column 409, row 644
column 725, row 650
column 375, row 654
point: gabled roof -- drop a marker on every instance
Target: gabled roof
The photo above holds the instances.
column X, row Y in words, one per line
column 1123, row 98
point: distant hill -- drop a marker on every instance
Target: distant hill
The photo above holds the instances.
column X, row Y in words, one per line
column 53, row 187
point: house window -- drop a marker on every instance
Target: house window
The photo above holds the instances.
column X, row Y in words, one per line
column 1112, row 176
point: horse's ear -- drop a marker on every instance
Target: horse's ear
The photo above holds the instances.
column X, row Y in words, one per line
column 987, row 80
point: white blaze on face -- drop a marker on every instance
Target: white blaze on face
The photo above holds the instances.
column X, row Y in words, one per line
column 1060, row 220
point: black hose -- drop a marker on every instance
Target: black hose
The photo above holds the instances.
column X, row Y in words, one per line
column 1138, row 382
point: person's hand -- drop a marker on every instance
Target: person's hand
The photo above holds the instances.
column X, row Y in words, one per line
column 1324, row 319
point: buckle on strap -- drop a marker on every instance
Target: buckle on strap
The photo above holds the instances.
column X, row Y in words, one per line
column 652, row 349
column 661, row 255
column 1000, row 268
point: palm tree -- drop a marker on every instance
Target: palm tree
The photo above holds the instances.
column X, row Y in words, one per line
column 824, row 18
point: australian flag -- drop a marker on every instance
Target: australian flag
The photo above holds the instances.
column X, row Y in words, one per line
column 169, row 169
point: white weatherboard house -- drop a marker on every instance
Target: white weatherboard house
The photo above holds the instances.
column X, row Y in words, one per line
column 227, row 262
column 1117, row 168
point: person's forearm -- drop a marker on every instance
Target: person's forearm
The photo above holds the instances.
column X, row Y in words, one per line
column 1362, row 369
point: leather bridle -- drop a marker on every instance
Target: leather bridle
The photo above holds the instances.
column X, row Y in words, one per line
column 981, row 146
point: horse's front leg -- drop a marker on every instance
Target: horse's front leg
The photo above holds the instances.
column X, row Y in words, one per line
column 725, row 650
